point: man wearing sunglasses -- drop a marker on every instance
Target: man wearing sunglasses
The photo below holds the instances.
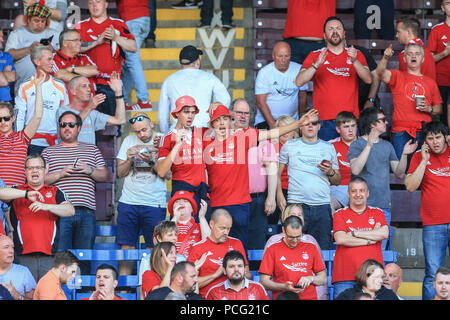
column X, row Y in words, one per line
column 312, row 168
column 75, row 167
column 84, row 103
column 143, row 202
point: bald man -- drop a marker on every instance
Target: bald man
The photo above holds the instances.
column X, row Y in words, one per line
column 275, row 90
column 394, row 277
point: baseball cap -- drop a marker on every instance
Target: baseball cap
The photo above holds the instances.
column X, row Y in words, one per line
column 184, row 101
column 189, row 54
column 38, row 10
column 220, row 110
column 183, row 195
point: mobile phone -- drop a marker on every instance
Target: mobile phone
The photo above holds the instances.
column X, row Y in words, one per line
column 324, row 162
column 297, row 286
column 75, row 162
column 46, row 41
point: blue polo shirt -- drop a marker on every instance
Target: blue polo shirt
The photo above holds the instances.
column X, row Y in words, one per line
column 5, row 60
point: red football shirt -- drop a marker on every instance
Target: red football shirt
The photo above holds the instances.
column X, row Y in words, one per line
column 344, row 166
column 250, row 291
column 435, row 186
column 305, row 18
column 437, row 42
column 150, row 279
column 37, row 230
column 189, row 165
column 61, row 61
column 104, row 58
column 227, row 163
column 428, row 67
column 291, row 264
column 405, row 87
column 132, row 9
column 188, row 234
column 335, row 83
column 214, row 260
column 348, row 259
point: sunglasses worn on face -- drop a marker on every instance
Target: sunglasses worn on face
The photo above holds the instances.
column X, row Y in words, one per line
column 6, row 119
column 138, row 118
column 314, row 123
column 70, row 124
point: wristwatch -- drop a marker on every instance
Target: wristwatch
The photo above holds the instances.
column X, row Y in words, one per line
column 371, row 100
column 73, row 69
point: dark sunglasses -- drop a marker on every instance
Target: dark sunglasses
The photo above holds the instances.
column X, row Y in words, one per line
column 6, row 119
column 70, row 124
column 138, row 118
column 314, row 123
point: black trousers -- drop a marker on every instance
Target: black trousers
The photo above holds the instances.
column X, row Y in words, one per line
column 206, row 13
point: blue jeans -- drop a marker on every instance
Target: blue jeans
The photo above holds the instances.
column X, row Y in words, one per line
column 257, row 230
column 132, row 219
column 319, row 223
column 436, row 240
column 341, row 286
column 77, row 232
column 132, row 68
column 328, row 130
column 399, row 139
column 240, row 214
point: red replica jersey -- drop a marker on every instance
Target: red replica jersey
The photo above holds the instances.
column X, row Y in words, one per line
column 428, row 67
column 227, row 163
column 13, row 152
column 335, row 83
column 150, row 279
column 435, row 200
column 132, row 9
column 106, row 59
column 291, row 264
column 189, row 165
column 61, row 61
column 348, row 259
column 2, row 230
column 188, row 234
column 344, row 166
column 250, row 291
column 37, row 230
column 405, row 87
column 437, row 42
column 305, row 18
column 216, row 252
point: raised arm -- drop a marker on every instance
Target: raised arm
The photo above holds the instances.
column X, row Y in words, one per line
column 306, row 75
column 382, row 72
column 32, row 126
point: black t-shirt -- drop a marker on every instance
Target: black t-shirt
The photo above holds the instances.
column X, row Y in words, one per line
column 161, row 294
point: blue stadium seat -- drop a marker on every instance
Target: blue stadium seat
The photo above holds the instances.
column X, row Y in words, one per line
column 105, row 231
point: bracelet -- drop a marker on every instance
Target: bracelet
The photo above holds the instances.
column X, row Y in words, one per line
column 314, row 66
column 92, row 171
column 120, row 97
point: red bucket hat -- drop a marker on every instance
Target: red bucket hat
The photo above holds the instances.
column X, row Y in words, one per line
column 220, row 110
column 183, row 195
column 183, row 102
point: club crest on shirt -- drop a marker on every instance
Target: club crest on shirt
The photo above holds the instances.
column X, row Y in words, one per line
column 305, row 255
column 49, row 194
column 371, row 220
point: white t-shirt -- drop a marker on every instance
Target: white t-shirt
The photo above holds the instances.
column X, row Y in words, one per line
column 200, row 85
column 141, row 187
column 282, row 93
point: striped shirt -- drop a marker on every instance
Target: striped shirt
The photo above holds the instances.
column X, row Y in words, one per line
column 186, row 237
column 13, row 152
column 79, row 187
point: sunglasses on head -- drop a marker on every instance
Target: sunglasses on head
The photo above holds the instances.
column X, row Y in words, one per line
column 138, row 118
column 6, row 119
column 70, row 124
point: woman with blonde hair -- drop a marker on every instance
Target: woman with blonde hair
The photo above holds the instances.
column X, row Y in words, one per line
column 295, row 209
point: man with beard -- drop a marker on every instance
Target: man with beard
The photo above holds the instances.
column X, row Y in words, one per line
column 183, row 280
column 216, row 245
column 429, row 170
column 334, row 71
column 236, row 287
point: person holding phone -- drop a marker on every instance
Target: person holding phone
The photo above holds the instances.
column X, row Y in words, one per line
column 312, row 168
column 430, row 171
